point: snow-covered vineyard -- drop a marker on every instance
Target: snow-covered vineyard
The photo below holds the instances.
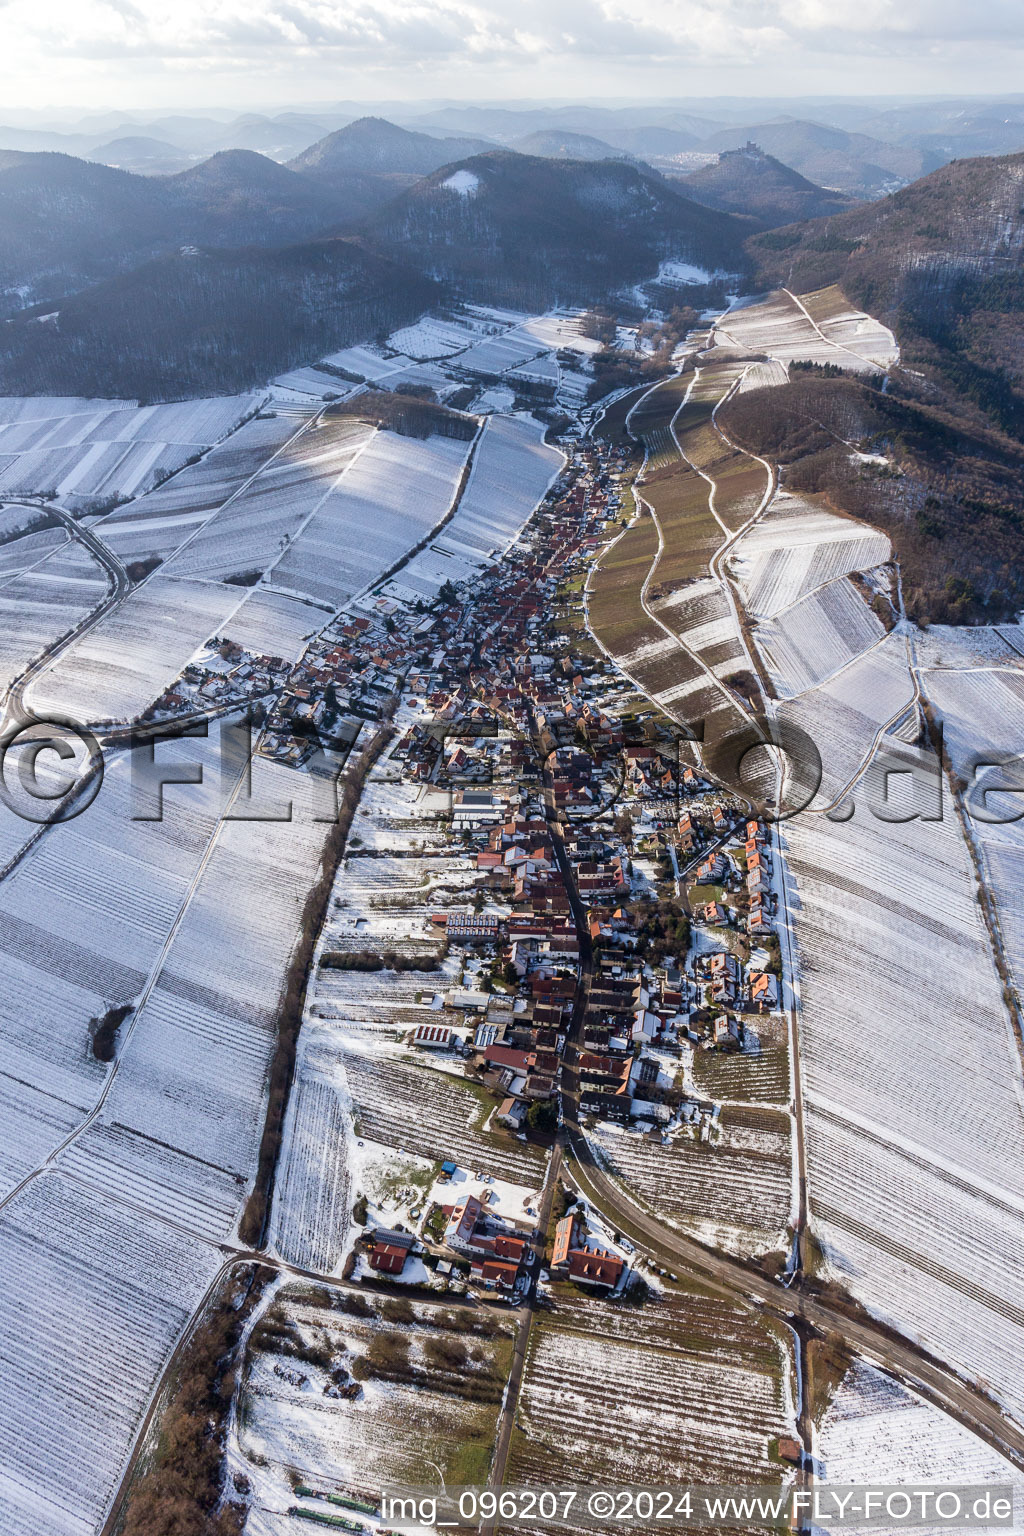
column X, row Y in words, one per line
column 911, row 1071
column 599, row 1395
column 736, row 1195
column 873, row 1422
column 512, row 468
column 96, row 1294
column 815, row 328
column 88, row 451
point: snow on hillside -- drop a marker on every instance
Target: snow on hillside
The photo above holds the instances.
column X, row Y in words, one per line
column 781, row 327
column 808, row 642
column 116, row 450
column 41, row 603
column 117, row 668
column 158, row 523
column 433, row 337
column 912, row 1085
column 795, row 548
column 392, row 494
column 251, row 531
column 95, row 1297
column 767, row 375
column 511, row 471
column 913, row 1089
column 465, row 183
column 849, row 327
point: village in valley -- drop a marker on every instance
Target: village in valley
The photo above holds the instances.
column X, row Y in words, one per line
column 494, row 988
column 548, row 924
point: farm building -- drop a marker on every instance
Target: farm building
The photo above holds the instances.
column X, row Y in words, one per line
column 459, row 1231
column 432, row 1037
column 473, row 806
column 390, row 1250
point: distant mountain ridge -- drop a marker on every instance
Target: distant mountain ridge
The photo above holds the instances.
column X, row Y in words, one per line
column 368, row 162
column 558, row 144
column 66, row 223
column 852, row 163
column 372, row 145
column 521, row 229
column 747, row 181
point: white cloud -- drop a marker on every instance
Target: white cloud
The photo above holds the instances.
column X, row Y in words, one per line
column 320, row 40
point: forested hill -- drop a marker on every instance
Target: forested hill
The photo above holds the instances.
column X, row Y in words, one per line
column 941, row 262
column 520, row 229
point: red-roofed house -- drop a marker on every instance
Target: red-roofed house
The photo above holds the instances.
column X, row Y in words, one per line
column 495, row 1274
column 459, row 1231
column 565, row 1239
column 595, row 1266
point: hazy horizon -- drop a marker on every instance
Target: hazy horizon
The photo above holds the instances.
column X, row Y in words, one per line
column 135, row 55
column 727, row 105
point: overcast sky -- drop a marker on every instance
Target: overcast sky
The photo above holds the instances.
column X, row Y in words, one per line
column 264, row 53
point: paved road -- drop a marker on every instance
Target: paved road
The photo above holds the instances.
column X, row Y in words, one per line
column 737, row 1277
column 15, row 709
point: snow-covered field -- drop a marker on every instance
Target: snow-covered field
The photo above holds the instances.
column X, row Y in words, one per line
column 850, row 327
column 875, row 1433
column 117, row 668
column 312, row 1197
column 104, row 1265
column 780, row 326
column 767, row 375
column 912, row 1085
column 734, row 1193
column 694, row 1395
column 394, row 491
column 435, row 1400
column 913, row 1088
column 795, row 548
column 512, row 469
column 805, row 644
column 44, row 602
column 499, row 354
column 433, row 337
column 118, row 449
column 188, row 1101
column 845, row 717
column 974, row 681
column 273, row 624
column 95, row 1296
column 156, row 524
column 72, row 946
column 432, row 1114
column 251, row 532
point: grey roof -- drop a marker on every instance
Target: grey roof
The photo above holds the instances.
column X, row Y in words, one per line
column 395, row 1239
